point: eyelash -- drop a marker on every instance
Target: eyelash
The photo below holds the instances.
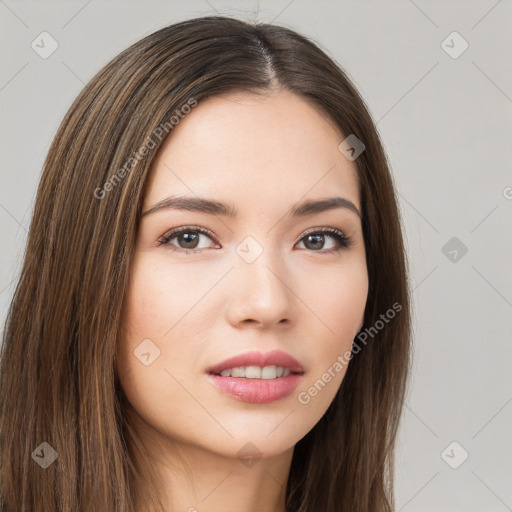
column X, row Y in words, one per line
column 343, row 240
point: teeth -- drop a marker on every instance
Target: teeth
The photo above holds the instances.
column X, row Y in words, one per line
column 268, row 372
column 256, row 372
column 253, row 372
column 238, row 372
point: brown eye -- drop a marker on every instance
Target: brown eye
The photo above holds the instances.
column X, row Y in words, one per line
column 186, row 239
column 316, row 240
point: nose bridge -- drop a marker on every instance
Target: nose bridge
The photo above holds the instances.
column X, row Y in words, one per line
column 261, row 292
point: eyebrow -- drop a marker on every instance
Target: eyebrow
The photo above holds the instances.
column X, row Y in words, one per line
column 209, row 206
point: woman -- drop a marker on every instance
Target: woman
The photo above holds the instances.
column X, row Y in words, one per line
column 213, row 311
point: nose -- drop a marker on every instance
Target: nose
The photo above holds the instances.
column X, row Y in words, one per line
column 261, row 294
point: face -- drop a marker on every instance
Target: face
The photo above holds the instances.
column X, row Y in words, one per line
column 245, row 274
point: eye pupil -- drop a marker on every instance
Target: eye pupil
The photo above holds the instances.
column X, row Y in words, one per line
column 191, row 240
column 319, row 241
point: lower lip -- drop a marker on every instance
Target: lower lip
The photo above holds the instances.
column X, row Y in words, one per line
column 257, row 391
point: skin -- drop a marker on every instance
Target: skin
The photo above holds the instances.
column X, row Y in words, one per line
column 263, row 154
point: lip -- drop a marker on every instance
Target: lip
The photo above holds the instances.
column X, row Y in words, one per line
column 255, row 358
column 257, row 391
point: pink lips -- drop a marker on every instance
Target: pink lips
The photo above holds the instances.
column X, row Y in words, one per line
column 257, row 391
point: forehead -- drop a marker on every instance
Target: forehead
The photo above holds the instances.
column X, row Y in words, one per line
column 258, row 149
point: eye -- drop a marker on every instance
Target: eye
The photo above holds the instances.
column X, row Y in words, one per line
column 315, row 239
column 187, row 238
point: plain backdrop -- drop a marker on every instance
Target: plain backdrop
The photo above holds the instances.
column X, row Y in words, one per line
column 442, row 103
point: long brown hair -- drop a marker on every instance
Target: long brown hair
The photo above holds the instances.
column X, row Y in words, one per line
column 58, row 379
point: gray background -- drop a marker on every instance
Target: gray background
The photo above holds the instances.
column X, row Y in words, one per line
column 446, row 126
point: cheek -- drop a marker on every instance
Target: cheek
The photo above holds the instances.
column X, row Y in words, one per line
column 336, row 312
column 162, row 307
column 140, row 348
column 337, row 298
column 345, row 311
column 159, row 297
column 144, row 354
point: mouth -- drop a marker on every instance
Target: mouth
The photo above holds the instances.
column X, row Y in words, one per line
column 257, row 364
column 256, row 377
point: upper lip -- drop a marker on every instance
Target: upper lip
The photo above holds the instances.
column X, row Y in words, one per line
column 255, row 358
